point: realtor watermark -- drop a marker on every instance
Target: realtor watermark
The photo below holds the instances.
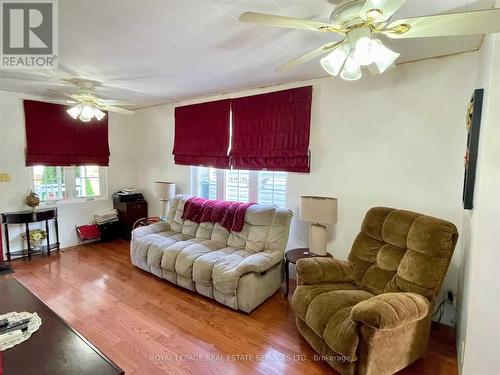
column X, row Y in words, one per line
column 29, row 37
column 275, row 357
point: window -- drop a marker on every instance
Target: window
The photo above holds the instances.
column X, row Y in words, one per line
column 264, row 187
column 63, row 183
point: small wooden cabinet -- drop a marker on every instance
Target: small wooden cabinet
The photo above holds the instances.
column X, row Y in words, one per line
column 129, row 213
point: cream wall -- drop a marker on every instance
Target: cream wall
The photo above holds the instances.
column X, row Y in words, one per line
column 478, row 340
column 121, row 172
column 396, row 140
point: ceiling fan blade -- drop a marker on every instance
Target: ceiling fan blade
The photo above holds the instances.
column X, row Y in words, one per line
column 116, row 102
column 310, row 55
column 380, row 10
column 59, row 92
column 123, row 111
column 32, row 78
column 288, row 22
column 466, row 23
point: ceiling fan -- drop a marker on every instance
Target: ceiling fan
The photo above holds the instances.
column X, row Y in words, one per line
column 359, row 22
column 87, row 104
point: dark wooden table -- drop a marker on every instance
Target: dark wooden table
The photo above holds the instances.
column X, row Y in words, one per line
column 26, row 217
column 56, row 348
column 292, row 256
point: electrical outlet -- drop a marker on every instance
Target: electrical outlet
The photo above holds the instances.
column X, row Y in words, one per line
column 450, row 297
column 4, row 177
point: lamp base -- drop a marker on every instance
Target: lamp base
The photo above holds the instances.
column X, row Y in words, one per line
column 163, row 210
column 318, row 236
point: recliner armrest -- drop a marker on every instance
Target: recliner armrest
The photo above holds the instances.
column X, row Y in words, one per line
column 323, row 270
column 390, row 310
column 150, row 229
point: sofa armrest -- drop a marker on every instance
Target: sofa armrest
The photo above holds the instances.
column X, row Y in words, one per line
column 323, row 270
column 390, row 310
column 150, row 229
column 259, row 262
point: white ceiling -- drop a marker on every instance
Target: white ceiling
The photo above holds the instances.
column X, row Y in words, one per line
column 158, row 51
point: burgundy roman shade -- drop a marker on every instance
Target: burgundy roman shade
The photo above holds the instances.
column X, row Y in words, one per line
column 53, row 138
column 202, row 134
column 271, row 131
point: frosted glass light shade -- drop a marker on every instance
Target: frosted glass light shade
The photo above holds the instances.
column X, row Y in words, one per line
column 364, row 51
column 352, row 69
column 383, row 56
column 334, row 61
column 75, row 111
column 164, row 191
column 87, row 113
column 321, row 210
column 99, row 115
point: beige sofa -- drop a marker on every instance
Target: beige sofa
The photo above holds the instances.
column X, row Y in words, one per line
column 238, row 269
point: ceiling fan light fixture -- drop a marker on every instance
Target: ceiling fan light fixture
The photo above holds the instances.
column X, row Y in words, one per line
column 75, row 111
column 87, row 113
column 352, row 69
column 99, row 115
column 363, row 51
column 335, row 60
column 383, row 57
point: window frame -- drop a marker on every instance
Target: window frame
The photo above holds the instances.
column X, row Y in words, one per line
column 253, row 183
column 70, row 186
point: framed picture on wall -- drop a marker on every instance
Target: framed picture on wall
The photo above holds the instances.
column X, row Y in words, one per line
column 473, row 124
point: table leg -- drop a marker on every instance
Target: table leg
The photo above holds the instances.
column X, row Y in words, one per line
column 48, row 237
column 56, row 224
column 287, row 277
column 6, row 227
column 28, row 240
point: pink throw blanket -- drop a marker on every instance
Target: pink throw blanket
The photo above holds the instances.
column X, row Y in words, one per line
column 231, row 215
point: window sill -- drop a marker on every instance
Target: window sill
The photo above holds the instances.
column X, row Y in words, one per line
column 73, row 201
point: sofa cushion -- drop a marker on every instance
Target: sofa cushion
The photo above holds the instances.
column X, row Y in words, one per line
column 326, row 308
column 142, row 244
column 156, row 249
column 326, row 305
column 170, row 253
column 187, row 256
column 203, row 265
column 225, row 273
column 305, row 294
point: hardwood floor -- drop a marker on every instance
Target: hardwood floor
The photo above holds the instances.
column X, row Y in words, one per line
column 149, row 326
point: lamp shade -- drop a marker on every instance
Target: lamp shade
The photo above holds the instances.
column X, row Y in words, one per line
column 164, row 191
column 321, row 210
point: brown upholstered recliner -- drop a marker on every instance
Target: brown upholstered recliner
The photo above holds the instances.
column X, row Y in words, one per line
column 372, row 314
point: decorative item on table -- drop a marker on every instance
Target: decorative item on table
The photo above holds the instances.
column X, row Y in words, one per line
column 32, row 200
column 35, row 237
column 319, row 211
column 473, row 125
column 17, row 327
column 106, row 217
column 165, row 192
column 88, row 233
column 128, row 195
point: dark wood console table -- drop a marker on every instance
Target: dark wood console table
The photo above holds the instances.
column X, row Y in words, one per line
column 25, row 217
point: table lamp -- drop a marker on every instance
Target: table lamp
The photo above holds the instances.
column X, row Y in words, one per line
column 319, row 211
column 164, row 191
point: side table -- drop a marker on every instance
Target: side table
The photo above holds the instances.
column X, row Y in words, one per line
column 292, row 256
column 26, row 217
